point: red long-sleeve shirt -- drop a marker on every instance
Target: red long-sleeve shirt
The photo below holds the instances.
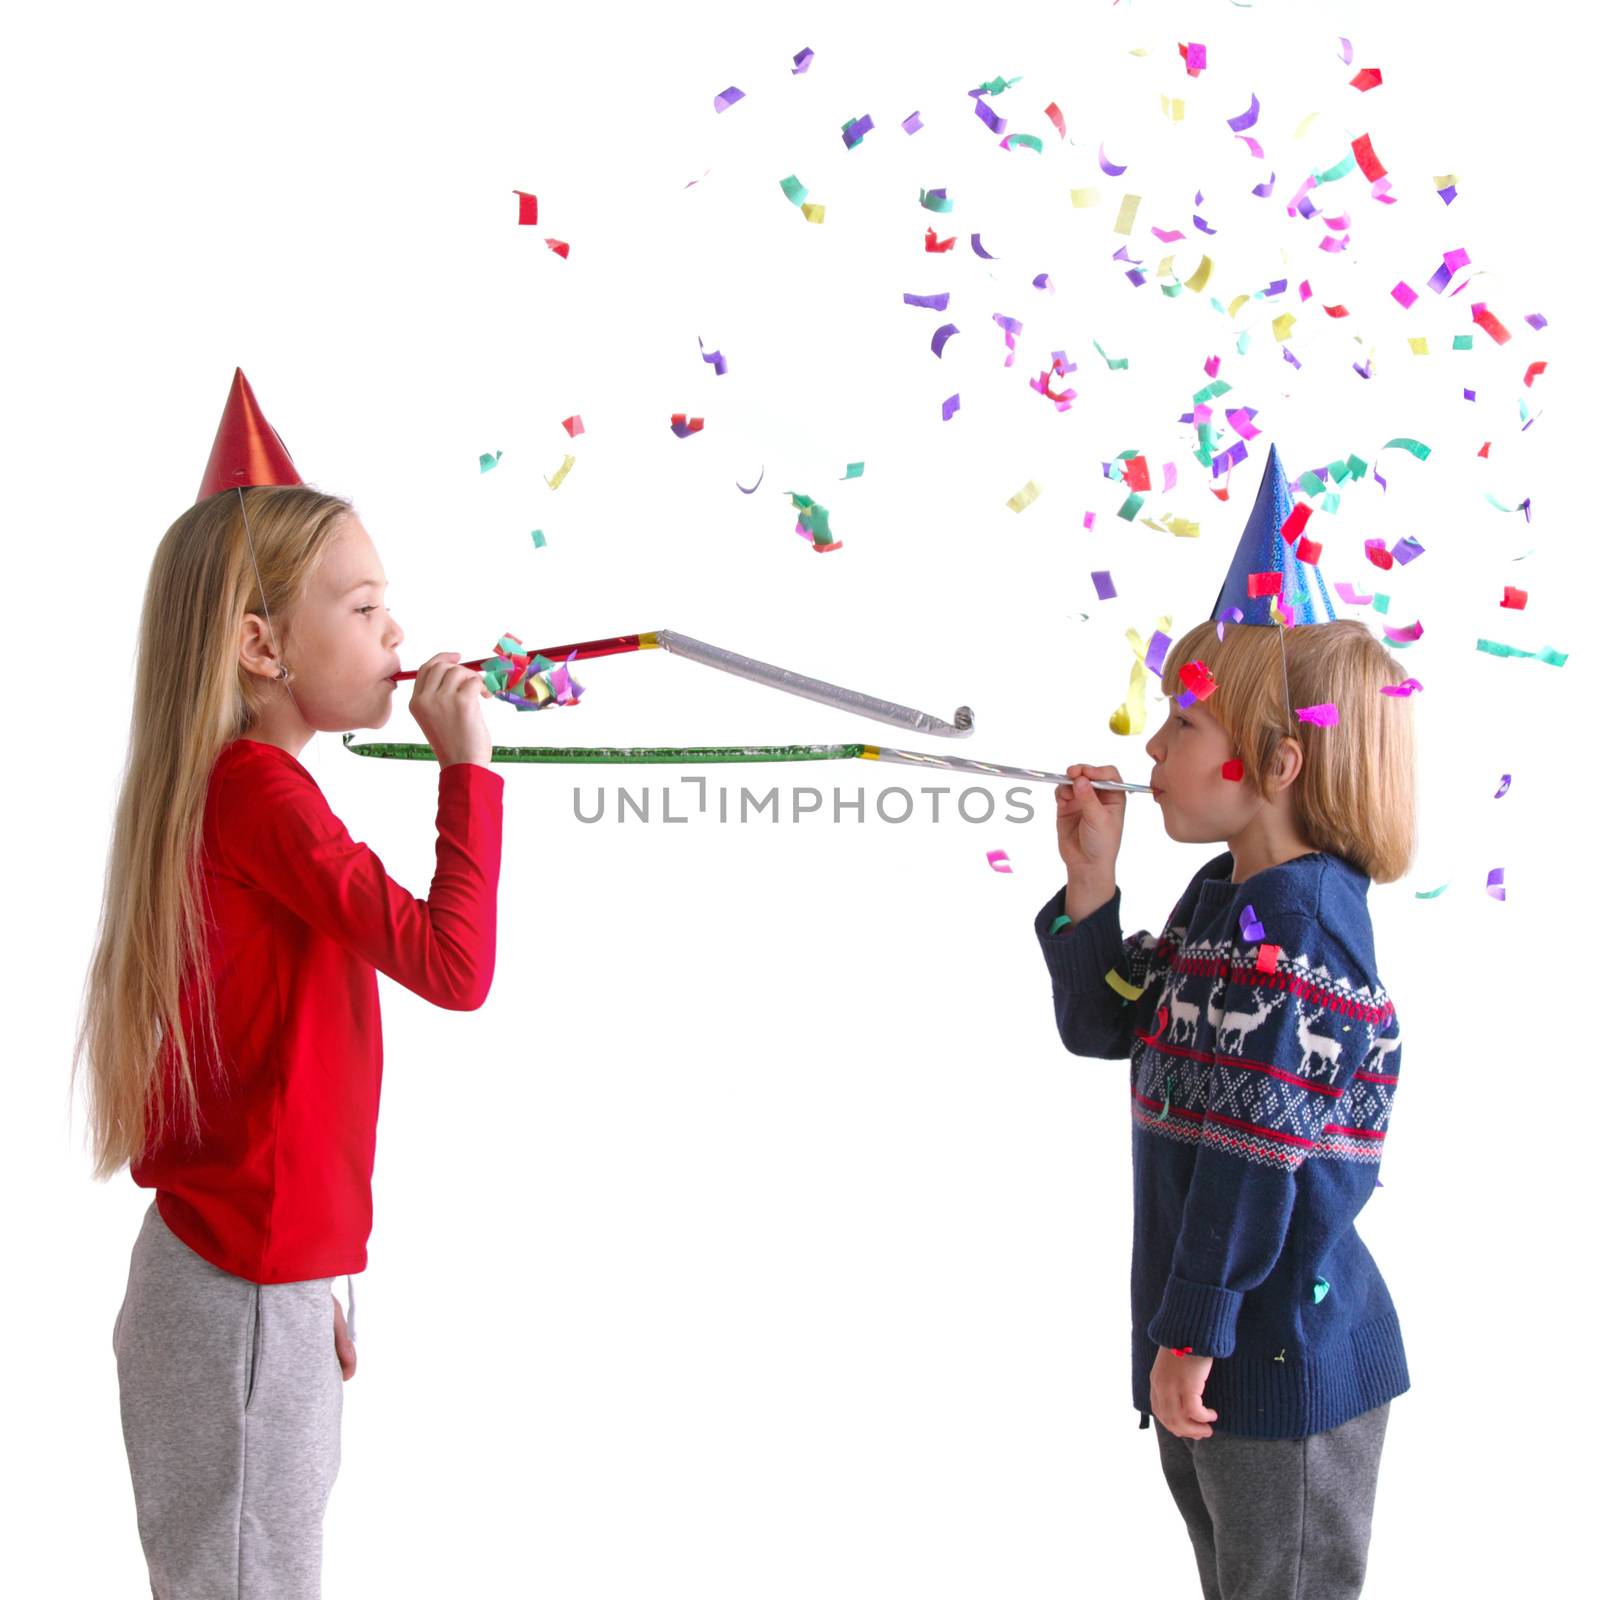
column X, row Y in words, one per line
column 302, row 919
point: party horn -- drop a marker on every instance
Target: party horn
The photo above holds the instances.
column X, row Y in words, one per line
column 762, row 672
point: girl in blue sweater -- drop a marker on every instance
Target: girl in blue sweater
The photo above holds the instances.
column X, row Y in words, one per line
column 1265, row 1056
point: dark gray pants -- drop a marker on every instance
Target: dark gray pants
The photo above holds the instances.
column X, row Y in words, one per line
column 231, row 1397
column 1278, row 1519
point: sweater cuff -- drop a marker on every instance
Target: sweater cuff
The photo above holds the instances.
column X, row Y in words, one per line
column 1080, row 954
column 1197, row 1316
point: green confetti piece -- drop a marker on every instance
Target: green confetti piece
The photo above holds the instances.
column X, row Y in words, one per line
column 1173, row 289
column 1330, row 502
column 1129, row 508
column 1358, row 468
column 1498, row 507
column 795, row 190
column 1432, row 894
column 538, row 539
column 1318, row 1290
column 1338, row 471
column 1242, row 343
column 1462, row 341
column 1063, row 919
column 1211, row 390
column 1116, row 364
column 854, row 470
column 1419, row 450
column 938, row 202
column 1333, row 174
column 1166, row 1100
column 1380, row 603
column 1031, row 140
column 485, row 462
column 1309, row 483
column 1556, row 658
column 998, row 85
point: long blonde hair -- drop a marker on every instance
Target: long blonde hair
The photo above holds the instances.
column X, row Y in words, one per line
column 191, row 696
column 1356, row 791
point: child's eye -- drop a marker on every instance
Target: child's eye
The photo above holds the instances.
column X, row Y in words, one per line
column 364, row 609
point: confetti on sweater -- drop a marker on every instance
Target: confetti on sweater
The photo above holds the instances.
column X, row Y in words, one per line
column 999, row 860
column 1025, row 496
column 1250, row 926
column 1127, row 990
column 728, row 97
column 485, row 462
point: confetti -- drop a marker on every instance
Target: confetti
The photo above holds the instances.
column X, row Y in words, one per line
column 1122, row 986
column 1060, row 922
column 801, row 62
column 1109, row 167
column 1233, row 770
column 929, row 302
column 854, row 469
column 941, row 337
column 1053, row 112
column 1505, row 783
column 1104, row 588
column 728, row 97
column 1250, row 926
column 913, row 123
column 683, row 425
column 977, row 247
column 527, row 208
column 716, row 359
column 560, row 247
column 1318, row 1290
column 538, row 539
column 795, row 190
column 999, row 860
column 855, row 131
column 1267, row 957
column 1246, row 119
column 486, row 462
column 1496, row 885
column 1405, row 688
column 573, row 425
column 1325, row 716
column 934, row 245
column 1366, row 78
column 1516, row 599
column 951, row 406
column 935, row 200
column 1025, row 496
column 1556, row 658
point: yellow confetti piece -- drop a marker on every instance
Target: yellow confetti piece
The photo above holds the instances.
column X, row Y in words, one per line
column 1299, row 133
column 812, row 211
column 1143, row 50
column 1237, row 301
column 1419, row 347
column 1181, row 526
column 1129, row 716
column 1282, row 325
column 561, row 472
column 1025, row 496
column 1164, row 267
column 1125, row 216
column 1172, row 108
column 1122, row 986
column 1086, row 197
column 1201, row 273
column 1448, row 181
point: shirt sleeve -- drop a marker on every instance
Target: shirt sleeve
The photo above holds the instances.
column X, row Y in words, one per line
column 278, row 833
column 1280, row 1069
column 1091, row 1017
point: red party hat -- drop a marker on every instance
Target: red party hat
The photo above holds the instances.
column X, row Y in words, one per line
column 247, row 452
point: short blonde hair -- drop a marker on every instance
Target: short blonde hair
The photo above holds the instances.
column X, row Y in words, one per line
column 1355, row 794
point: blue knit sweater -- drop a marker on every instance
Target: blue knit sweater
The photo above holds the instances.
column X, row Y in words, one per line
column 1260, row 1100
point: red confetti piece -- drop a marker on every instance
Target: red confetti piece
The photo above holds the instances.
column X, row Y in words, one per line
column 1516, row 599
column 1260, row 583
column 1267, row 957
column 1196, row 678
column 933, row 244
column 1377, row 555
column 560, row 246
column 1309, row 551
column 1188, row 1349
column 683, row 425
column 1366, row 158
column 1295, row 523
column 1136, row 472
column 573, row 425
column 1366, row 78
column 1233, row 770
column 1533, row 372
column 1053, row 111
column 1490, row 323
column 1161, row 1023
column 527, row 208
column 1336, row 311
column 1484, row 452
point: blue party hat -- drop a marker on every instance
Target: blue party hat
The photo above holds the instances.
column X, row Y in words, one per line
column 1262, row 549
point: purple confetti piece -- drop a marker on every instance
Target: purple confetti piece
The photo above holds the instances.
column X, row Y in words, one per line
column 1497, row 883
column 1264, row 190
column 1250, row 926
column 801, row 62
column 940, row 338
column 1535, row 321
column 1361, row 371
column 856, row 130
column 977, row 246
column 1246, row 119
column 951, row 406
column 1439, row 279
column 1407, row 549
column 1380, row 480
column 1294, row 360
column 1136, row 277
column 913, row 123
column 996, row 123
column 716, row 358
column 1469, row 394
column 1505, row 783
column 1103, row 586
column 1110, row 168
column 1043, row 282
column 1155, row 657
column 1346, row 51
column 1405, row 294
column 1325, row 716
column 1186, row 699
column 930, row 302
column 1201, row 223
column 1169, row 476
column 728, row 97
column 1276, row 287
column 1232, row 614
column 753, row 487
column 1447, row 195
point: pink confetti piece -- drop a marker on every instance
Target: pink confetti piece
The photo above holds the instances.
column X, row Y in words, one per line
column 1194, row 58
column 1325, row 716
column 1169, row 477
column 1404, row 689
column 1405, row 294
column 1497, row 883
column 1053, row 111
column 1346, row 52
column 728, row 97
column 1347, row 593
column 1404, row 635
column 1088, row 520
column 573, row 425
column 1254, row 144
column 1213, row 363
column 1167, row 237
column 999, row 860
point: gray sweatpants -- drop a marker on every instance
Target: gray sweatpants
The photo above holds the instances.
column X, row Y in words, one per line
column 231, row 1398
column 1278, row 1519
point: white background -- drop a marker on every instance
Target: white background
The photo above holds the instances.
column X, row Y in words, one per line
column 758, row 1237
